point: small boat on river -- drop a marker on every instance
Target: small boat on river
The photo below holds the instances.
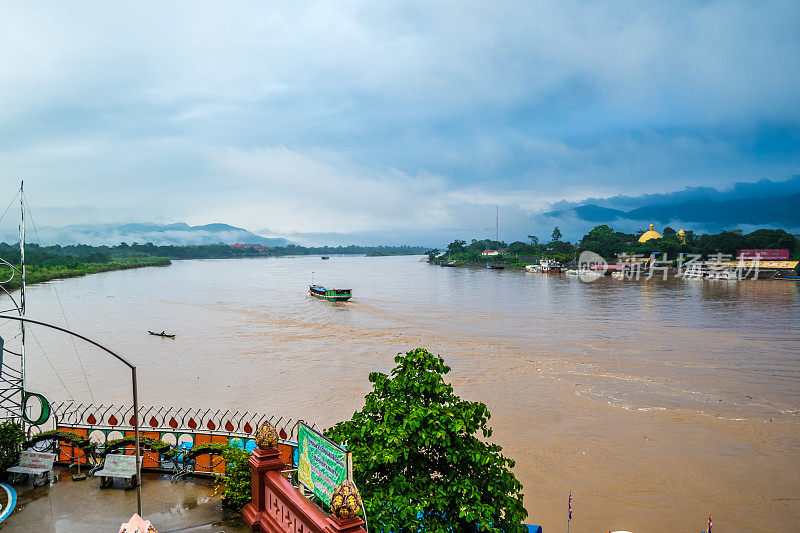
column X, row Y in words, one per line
column 162, row 334
column 325, row 257
column 725, row 275
column 495, row 266
column 331, row 295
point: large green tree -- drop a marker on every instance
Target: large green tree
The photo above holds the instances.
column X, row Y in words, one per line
column 419, row 461
column 520, row 248
column 605, row 241
column 456, row 247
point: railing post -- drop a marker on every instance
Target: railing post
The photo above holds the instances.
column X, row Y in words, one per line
column 287, row 509
column 345, row 525
column 345, row 504
column 265, row 457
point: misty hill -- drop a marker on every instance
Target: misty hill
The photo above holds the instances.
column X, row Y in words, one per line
column 779, row 210
column 158, row 234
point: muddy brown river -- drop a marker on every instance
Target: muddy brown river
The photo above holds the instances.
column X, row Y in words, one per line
column 655, row 402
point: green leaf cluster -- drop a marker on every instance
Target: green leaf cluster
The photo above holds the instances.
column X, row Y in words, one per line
column 418, row 459
column 166, row 450
column 236, row 491
column 75, row 439
column 158, row 446
column 11, row 437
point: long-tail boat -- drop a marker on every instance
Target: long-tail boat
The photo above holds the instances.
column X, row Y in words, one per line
column 331, row 295
column 162, row 334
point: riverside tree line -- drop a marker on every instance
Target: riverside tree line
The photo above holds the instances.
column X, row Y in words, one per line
column 609, row 243
column 84, row 253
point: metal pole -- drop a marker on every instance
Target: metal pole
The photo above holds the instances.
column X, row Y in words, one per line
column 22, row 288
column 136, row 433
column 133, row 381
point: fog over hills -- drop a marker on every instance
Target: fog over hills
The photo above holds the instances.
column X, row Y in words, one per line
column 159, row 234
column 746, row 206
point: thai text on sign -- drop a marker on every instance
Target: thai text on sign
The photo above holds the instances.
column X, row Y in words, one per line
column 119, row 465
column 322, row 463
column 37, row 460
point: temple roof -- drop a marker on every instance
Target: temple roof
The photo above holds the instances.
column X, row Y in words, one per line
column 650, row 234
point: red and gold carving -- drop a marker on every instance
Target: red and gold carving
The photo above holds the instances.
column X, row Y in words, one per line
column 345, row 502
column 266, row 436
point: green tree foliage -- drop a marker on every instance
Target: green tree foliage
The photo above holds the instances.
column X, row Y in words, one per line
column 418, row 460
column 556, row 236
column 670, row 246
column 726, row 242
column 534, row 240
column 235, row 485
column 486, row 244
column 84, row 253
column 560, row 248
column 432, row 254
column 11, row 437
column 609, row 243
column 520, row 248
column 605, row 241
column 456, row 247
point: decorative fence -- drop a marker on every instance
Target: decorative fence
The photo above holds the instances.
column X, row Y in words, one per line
column 180, row 427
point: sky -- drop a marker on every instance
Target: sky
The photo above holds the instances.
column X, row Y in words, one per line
column 396, row 120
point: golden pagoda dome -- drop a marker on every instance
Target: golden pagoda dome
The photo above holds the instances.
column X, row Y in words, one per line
column 682, row 236
column 650, row 234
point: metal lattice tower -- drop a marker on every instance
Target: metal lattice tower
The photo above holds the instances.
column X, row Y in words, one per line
column 12, row 340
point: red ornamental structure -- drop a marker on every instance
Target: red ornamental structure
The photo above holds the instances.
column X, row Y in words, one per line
column 276, row 506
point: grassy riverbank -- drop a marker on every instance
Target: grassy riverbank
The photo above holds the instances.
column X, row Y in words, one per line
column 72, row 269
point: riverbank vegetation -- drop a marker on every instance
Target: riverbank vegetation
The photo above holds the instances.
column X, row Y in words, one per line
column 42, row 264
column 11, row 438
column 516, row 252
column 87, row 253
column 610, row 244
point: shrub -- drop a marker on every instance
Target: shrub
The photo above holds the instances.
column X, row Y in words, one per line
column 236, row 483
column 11, row 437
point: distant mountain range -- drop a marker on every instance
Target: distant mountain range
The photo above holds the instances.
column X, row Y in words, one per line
column 742, row 205
column 166, row 234
column 781, row 211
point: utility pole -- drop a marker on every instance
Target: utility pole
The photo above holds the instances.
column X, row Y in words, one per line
column 497, row 223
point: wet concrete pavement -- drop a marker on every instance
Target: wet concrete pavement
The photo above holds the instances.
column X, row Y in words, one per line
column 67, row 506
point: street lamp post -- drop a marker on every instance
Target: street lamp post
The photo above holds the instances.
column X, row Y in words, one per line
column 133, row 383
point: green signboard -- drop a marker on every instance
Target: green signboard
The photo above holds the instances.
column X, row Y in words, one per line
column 322, row 464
